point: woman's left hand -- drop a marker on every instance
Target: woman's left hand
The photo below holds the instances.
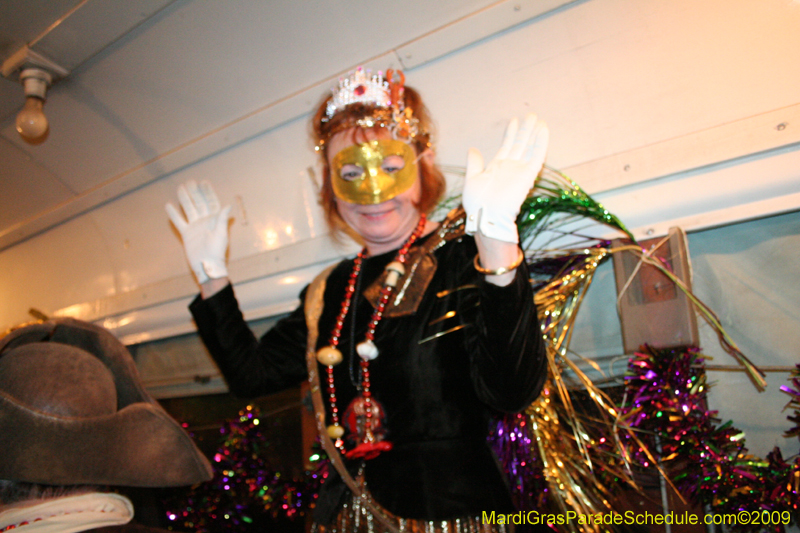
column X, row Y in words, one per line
column 493, row 195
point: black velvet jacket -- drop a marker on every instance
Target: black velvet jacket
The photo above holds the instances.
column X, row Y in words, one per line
column 438, row 392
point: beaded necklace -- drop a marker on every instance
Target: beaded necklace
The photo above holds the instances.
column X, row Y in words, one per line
column 369, row 446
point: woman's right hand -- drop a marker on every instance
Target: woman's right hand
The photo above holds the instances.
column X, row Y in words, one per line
column 204, row 230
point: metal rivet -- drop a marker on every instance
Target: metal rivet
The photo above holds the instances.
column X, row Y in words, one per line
column 626, row 168
column 650, row 231
column 781, row 126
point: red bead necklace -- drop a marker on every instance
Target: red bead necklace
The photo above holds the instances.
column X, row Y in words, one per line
column 330, row 355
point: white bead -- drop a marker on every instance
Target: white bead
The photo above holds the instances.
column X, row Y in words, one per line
column 396, row 266
column 367, row 350
column 329, row 356
column 335, row 431
column 394, row 270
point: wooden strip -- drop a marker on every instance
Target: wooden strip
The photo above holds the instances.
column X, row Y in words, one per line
column 726, row 142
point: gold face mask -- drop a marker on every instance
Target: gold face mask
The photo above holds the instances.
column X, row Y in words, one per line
column 373, row 172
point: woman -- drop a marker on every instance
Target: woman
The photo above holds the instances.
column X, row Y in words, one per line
column 419, row 339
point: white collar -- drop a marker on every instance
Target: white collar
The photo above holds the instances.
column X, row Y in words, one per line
column 69, row 514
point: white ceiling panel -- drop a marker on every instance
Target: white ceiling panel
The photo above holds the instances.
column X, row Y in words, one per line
column 91, row 27
column 21, row 21
column 615, row 75
column 32, row 187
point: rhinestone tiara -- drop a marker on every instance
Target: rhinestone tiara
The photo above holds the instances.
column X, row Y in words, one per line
column 383, row 95
column 359, row 87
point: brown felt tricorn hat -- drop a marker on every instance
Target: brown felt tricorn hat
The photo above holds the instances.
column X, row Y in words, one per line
column 73, row 411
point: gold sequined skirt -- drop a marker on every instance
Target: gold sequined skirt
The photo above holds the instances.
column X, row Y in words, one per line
column 356, row 517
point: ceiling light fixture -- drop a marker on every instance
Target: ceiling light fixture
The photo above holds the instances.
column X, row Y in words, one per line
column 31, row 122
column 37, row 74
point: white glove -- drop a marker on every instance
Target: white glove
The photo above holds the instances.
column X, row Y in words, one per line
column 492, row 196
column 204, row 230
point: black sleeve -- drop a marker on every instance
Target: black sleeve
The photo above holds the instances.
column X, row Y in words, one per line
column 251, row 367
column 508, row 356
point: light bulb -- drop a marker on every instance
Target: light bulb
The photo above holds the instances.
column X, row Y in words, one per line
column 31, row 123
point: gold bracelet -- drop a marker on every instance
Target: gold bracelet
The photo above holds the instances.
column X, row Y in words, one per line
column 501, row 270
